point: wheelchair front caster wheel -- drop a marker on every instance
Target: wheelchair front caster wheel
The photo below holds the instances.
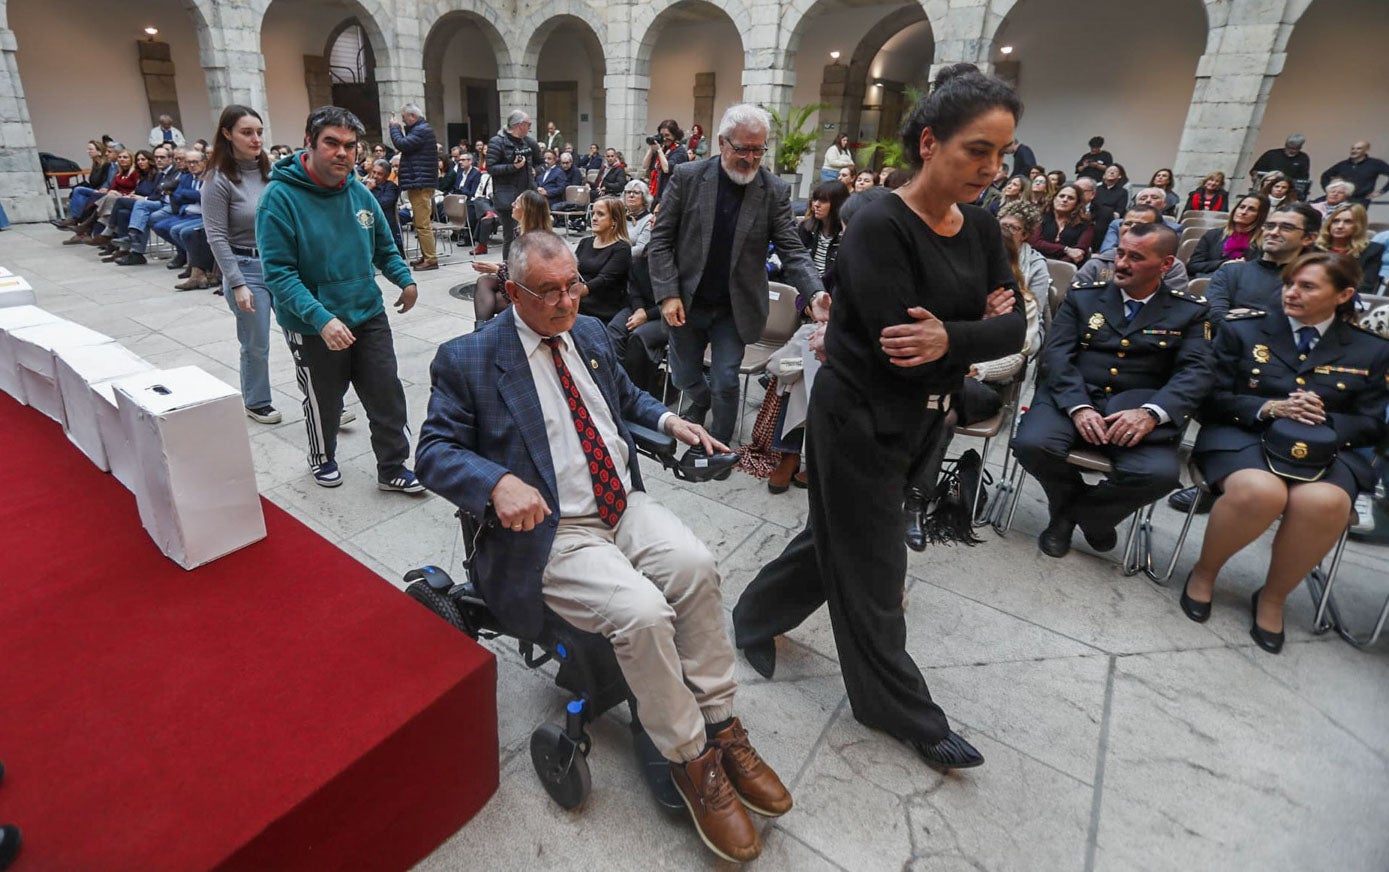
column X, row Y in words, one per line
column 561, row 765
column 439, row 604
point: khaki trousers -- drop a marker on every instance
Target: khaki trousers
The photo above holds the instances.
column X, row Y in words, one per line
column 652, row 589
column 421, row 213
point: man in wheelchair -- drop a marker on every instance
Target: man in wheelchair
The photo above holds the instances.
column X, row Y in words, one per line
column 526, row 417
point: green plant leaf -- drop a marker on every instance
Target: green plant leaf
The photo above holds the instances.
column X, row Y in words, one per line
column 793, row 140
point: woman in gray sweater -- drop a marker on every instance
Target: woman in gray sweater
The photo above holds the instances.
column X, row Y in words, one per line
column 237, row 174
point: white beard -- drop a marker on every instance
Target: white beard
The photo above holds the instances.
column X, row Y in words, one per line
column 741, row 178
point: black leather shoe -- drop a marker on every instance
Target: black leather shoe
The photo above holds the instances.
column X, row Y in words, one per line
column 952, row 752
column 912, row 509
column 177, row 263
column 761, row 657
column 695, row 414
column 10, row 840
column 1181, row 500
column 1197, row 611
column 1270, row 642
column 1104, row 540
column 1055, row 540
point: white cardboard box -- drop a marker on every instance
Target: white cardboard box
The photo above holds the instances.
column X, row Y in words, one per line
column 195, row 486
column 34, row 351
column 14, row 291
column 14, row 318
column 115, row 439
column 80, row 371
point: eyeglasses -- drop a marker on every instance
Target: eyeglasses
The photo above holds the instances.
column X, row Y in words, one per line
column 1283, row 226
column 754, row 150
column 576, row 289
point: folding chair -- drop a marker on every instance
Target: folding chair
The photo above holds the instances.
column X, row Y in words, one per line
column 1198, row 286
column 1002, row 422
column 456, row 211
column 1187, row 248
column 1191, row 233
column 576, row 202
column 782, row 322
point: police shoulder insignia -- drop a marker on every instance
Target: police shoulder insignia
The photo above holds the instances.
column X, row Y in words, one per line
column 1088, row 286
column 1250, row 313
column 1186, row 295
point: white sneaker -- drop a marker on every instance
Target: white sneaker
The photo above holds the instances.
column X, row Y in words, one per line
column 348, row 416
column 1365, row 508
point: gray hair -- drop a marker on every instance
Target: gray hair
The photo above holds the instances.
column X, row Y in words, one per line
column 1297, row 139
column 1341, row 183
column 516, row 117
column 168, row 118
column 1085, row 183
column 542, row 244
column 382, row 164
column 747, row 116
column 411, row 109
column 640, row 187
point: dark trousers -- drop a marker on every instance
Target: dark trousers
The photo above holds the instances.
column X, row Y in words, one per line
column 640, row 350
column 199, row 252
column 508, row 229
column 851, row 556
column 368, row 365
column 1141, row 473
column 715, row 330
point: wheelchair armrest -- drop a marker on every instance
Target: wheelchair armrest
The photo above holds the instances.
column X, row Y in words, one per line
column 653, row 443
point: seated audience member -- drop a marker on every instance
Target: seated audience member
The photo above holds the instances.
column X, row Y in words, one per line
column 1100, row 215
column 549, row 178
column 1154, row 197
column 1036, row 170
column 483, row 214
column 1238, row 240
column 1057, row 178
column 698, row 145
column 989, row 198
column 883, row 176
column 1100, row 268
column 1256, row 284
column 605, row 259
column 1024, row 218
column 638, row 332
column 480, row 155
column 612, row 175
column 143, row 213
column 99, row 178
column 1067, row 231
column 185, row 206
column 531, row 212
column 1113, row 192
column 1012, row 192
column 462, row 178
column 1162, row 180
column 1361, row 170
column 387, row 194
column 600, row 555
column 845, row 177
column 1345, row 231
column 866, row 190
column 1338, row 192
column 820, row 233
column 1279, row 190
column 637, row 198
column 1297, row 390
column 593, row 160
column 1209, row 196
column 1040, row 192
column 123, row 184
column 118, row 226
column 165, row 133
column 1290, row 160
column 1094, row 161
column 1382, row 238
column 1121, row 360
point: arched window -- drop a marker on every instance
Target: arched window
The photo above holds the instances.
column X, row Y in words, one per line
column 350, row 60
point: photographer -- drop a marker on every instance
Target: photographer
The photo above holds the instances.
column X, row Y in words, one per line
column 663, row 154
column 511, row 156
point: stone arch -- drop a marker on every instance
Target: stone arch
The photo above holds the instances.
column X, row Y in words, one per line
column 483, row 115
column 798, row 13
column 537, row 27
column 368, row 13
column 541, row 27
column 652, row 18
column 878, row 35
column 449, row 17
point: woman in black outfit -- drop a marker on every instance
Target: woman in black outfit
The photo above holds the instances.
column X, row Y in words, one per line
column 822, row 231
column 1238, row 240
column 923, row 290
column 604, row 260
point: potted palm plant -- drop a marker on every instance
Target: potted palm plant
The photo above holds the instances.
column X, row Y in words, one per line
column 793, row 141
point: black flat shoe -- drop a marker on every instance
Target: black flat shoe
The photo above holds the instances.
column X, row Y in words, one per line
column 1181, row 500
column 1270, row 642
column 952, row 752
column 1197, row 611
column 761, row 657
column 1104, row 540
column 1055, row 540
column 912, row 509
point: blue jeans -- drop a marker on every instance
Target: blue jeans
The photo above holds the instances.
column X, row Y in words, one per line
column 82, row 197
column 828, row 175
column 705, row 328
column 181, row 229
column 253, row 332
column 145, row 213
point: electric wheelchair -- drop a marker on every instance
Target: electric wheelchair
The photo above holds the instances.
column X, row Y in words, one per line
column 588, row 668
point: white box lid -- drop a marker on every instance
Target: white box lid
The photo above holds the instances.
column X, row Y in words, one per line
column 162, row 391
column 34, row 346
column 16, row 317
column 96, row 363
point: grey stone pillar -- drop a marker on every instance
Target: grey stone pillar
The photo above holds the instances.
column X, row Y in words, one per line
column 232, row 62
column 626, row 113
column 157, row 69
column 519, row 93
column 22, row 189
column 704, row 87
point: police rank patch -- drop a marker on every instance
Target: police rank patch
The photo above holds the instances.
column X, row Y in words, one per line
column 366, row 218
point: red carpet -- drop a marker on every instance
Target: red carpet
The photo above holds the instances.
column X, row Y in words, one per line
column 280, row 708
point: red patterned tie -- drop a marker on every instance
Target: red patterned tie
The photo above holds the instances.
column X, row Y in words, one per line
column 607, row 485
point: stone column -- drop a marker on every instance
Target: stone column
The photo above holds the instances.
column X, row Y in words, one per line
column 844, row 106
column 230, row 54
column 626, row 114
column 22, row 191
column 1233, row 80
column 704, row 88
column 519, row 92
column 964, row 34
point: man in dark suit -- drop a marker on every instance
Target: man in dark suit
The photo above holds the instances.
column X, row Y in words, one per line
column 612, row 176
column 526, row 416
column 708, row 256
column 462, row 178
column 1125, row 365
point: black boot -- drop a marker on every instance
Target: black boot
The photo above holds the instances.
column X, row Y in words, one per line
column 913, row 510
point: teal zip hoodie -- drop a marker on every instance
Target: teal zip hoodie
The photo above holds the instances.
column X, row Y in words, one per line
column 318, row 247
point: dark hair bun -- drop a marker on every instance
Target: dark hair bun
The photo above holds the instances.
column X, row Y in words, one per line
column 953, row 71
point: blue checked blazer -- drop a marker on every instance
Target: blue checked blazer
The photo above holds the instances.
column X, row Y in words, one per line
column 484, row 421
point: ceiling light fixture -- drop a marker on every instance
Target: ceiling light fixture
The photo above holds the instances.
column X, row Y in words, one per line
column 1007, row 49
column 151, row 32
column 834, row 55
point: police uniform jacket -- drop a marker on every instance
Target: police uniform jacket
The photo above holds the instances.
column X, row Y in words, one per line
column 1091, row 354
column 1257, row 361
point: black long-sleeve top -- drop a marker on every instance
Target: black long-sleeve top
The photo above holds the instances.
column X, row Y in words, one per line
column 889, row 261
column 606, row 270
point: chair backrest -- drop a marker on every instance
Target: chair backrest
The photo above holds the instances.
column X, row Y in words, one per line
column 1186, row 248
column 782, row 318
column 1197, row 287
column 1193, row 233
column 1062, row 273
column 576, row 194
column 1055, row 299
column 1374, row 227
column 591, row 175
column 456, row 208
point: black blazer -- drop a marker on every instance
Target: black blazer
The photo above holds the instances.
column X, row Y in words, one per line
column 1256, row 361
column 1209, row 254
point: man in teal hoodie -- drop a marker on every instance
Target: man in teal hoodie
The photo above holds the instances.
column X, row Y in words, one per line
column 321, row 236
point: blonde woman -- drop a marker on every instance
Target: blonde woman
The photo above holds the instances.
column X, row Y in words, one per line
column 604, row 260
column 1346, row 231
column 531, row 211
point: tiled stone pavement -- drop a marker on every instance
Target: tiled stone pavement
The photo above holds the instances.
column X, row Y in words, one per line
column 1119, row 735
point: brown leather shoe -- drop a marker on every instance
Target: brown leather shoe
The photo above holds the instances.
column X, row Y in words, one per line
column 719, row 818
column 780, row 481
column 753, row 780
column 427, row 266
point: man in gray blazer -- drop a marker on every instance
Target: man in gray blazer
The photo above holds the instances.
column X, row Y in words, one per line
column 708, row 259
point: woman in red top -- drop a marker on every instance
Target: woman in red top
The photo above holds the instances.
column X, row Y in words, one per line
column 1067, row 230
column 1210, row 196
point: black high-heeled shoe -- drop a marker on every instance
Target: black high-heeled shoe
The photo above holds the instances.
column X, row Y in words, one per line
column 1270, row 642
column 1197, row 611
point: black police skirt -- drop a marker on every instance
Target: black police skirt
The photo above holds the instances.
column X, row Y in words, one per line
column 1217, row 464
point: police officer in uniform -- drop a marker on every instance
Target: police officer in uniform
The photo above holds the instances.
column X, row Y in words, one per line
column 1125, row 365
